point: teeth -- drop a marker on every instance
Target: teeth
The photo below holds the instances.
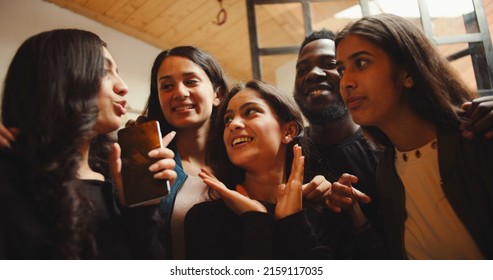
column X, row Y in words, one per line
column 241, row 140
column 316, row 92
column 186, row 107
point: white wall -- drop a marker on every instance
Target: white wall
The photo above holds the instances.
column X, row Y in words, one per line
column 285, row 76
column 20, row 19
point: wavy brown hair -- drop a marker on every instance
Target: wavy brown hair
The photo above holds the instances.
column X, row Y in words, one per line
column 50, row 94
column 438, row 92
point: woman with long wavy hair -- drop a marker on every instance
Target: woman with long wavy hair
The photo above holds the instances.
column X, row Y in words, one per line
column 64, row 96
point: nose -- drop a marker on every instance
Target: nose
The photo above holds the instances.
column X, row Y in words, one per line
column 315, row 74
column 120, row 87
column 181, row 92
column 347, row 83
column 236, row 123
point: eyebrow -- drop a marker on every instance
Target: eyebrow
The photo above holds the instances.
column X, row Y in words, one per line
column 354, row 55
column 243, row 106
column 322, row 57
column 184, row 75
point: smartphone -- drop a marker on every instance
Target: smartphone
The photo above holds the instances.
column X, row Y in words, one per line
column 139, row 185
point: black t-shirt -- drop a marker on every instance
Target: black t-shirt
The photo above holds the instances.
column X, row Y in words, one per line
column 355, row 156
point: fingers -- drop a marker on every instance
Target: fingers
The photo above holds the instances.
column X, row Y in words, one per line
column 206, row 173
column 294, row 185
column 210, row 180
column 317, row 188
column 168, row 138
column 297, row 168
column 348, row 179
column 6, row 136
column 466, row 107
column 281, row 190
column 290, row 196
column 312, row 185
column 164, row 152
column 161, row 153
column 361, row 196
column 480, row 118
column 237, row 201
column 340, row 195
column 219, row 187
column 115, row 164
column 163, row 165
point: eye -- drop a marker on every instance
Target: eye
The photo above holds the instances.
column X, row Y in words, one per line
column 227, row 120
column 331, row 64
column 340, row 70
column 250, row 111
column 165, row 87
column 191, row 82
column 361, row 63
column 301, row 71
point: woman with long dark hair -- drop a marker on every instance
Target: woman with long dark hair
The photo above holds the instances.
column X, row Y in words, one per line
column 57, row 198
column 434, row 186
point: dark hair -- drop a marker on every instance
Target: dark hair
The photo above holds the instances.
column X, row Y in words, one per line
column 216, row 156
column 438, row 91
column 50, row 94
column 317, row 35
column 203, row 59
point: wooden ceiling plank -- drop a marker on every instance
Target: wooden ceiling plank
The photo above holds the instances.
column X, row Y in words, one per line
column 99, row 6
column 122, row 10
column 147, row 12
column 195, row 21
column 177, row 14
column 163, row 28
column 206, row 27
column 69, row 5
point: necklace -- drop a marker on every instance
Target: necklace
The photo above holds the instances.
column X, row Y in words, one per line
column 416, row 154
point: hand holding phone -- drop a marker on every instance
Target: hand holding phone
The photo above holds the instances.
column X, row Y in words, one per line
column 138, row 183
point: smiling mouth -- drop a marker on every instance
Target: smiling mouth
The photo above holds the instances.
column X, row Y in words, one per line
column 241, row 140
column 319, row 92
column 183, row 108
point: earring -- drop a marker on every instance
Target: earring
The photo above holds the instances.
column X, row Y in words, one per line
column 287, row 138
column 409, row 83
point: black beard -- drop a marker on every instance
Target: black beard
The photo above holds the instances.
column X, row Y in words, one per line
column 333, row 113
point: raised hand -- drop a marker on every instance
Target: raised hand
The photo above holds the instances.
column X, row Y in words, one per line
column 344, row 196
column 290, row 194
column 317, row 189
column 237, row 201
